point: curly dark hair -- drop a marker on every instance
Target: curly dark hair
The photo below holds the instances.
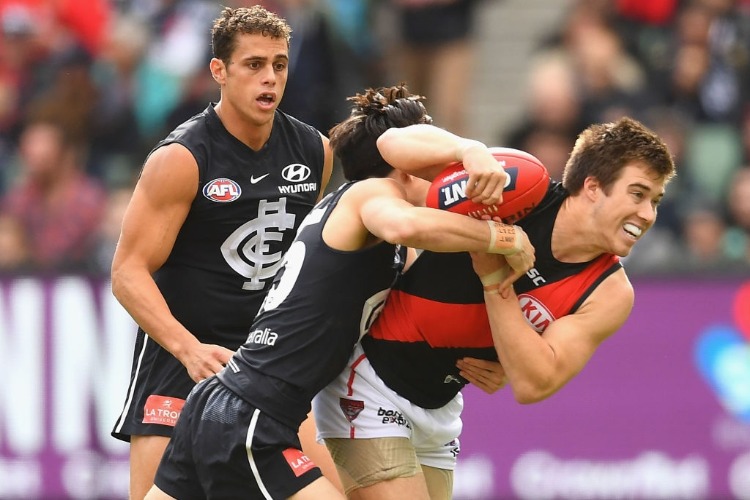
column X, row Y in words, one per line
column 604, row 149
column 376, row 110
column 245, row 20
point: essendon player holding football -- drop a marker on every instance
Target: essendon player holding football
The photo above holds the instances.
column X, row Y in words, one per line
column 400, row 399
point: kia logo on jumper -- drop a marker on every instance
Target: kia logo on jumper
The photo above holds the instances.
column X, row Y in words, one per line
column 536, row 314
column 222, row 190
column 296, row 172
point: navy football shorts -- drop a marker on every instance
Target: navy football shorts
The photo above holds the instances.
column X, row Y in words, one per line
column 223, row 447
column 159, row 385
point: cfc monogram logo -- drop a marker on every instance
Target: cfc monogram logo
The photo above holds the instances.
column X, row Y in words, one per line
column 247, row 249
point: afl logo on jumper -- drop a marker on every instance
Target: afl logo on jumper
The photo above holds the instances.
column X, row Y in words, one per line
column 222, row 190
column 296, row 172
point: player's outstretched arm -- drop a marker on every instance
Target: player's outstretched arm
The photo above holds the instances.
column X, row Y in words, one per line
column 386, row 214
column 159, row 205
column 425, row 150
column 537, row 365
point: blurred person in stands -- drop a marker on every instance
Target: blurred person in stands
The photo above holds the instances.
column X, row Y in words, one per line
column 46, row 49
column 215, row 208
column 176, row 50
column 313, row 93
column 117, row 142
column 553, row 112
column 611, row 81
column 72, row 95
column 21, row 53
column 708, row 69
column 14, row 248
column 434, row 54
column 551, row 147
column 58, row 203
column 359, row 52
column 708, row 244
column 738, row 209
column 745, row 137
column 109, row 230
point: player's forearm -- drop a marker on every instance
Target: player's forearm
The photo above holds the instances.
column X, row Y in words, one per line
column 440, row 231
column 141, row 298
column 421, row 149
column 528, row 360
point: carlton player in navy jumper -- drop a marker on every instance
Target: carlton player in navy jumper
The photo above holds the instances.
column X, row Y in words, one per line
column 402, row 385
column 237, row 434
column 217, row 204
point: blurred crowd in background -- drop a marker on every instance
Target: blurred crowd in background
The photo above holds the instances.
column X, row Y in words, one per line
column 88, row 87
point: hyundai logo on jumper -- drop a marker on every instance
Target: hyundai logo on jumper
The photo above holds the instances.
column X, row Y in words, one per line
column 455, row 192
column 296, row 173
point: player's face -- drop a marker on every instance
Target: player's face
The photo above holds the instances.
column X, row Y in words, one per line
column 255, row 78
column 630, row 208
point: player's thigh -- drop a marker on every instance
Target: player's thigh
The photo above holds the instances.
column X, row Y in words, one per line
column 413, row 488
column 378, row 468
column 156, row 494
column 439, row 482
column 145, row 455
column 317, row 452
column 320, row 488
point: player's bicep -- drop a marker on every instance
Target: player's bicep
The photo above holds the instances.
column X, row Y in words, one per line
column 158, row 208
column 384, row 217
column 574, row 338
column 356, row 221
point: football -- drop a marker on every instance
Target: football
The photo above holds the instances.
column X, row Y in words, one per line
column 525, row 187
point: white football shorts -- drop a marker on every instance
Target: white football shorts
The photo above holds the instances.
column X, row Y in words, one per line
column 358, row 405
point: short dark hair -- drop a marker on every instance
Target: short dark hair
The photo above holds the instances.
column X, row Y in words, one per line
column 354, row 141
column 604, row 149
column 245, row 20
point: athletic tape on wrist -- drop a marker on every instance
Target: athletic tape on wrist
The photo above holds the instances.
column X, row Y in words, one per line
column 491, row 281
column 504, row 239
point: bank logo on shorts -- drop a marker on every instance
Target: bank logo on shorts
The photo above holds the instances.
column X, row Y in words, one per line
column 351, row 408
column 298, row 461
column 247, row 249
column 222, row 190
column 162, row 410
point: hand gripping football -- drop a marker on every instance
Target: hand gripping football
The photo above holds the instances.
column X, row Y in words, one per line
column 525, row 187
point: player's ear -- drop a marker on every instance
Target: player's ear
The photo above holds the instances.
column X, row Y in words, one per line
column 218, row 70
column 591, row 187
